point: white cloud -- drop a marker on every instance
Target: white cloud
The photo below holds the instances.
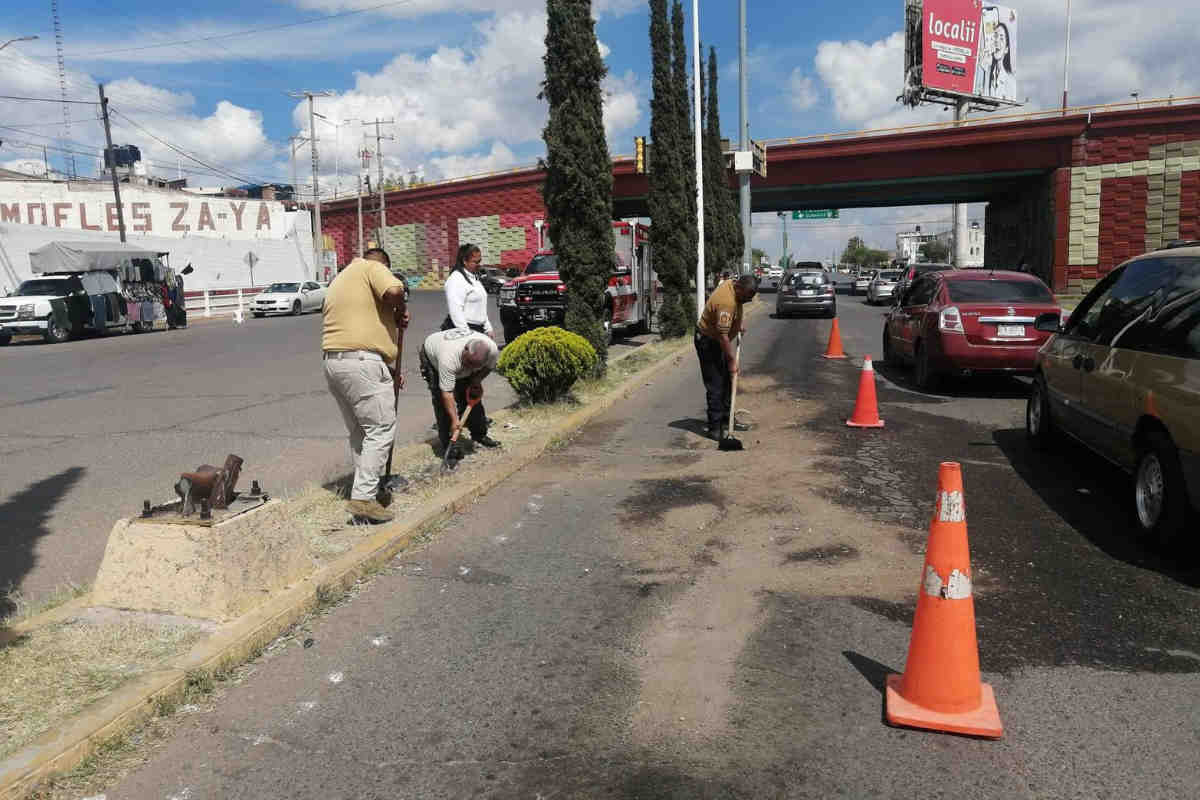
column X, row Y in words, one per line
column 459, row 99
column 804, row 93
column 455, row 166
column 1114, row 50
column 26, row 166
column 864, row 78
column 421, row 8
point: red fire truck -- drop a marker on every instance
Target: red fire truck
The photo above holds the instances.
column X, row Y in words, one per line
column 538, row 296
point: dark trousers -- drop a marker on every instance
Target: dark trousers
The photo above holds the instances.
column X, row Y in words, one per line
column 718, row 385
column 476, row 423
column 447, row 324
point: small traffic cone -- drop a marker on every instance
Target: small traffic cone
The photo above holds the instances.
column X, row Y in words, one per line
column 834, row 349
column 940, row 689
column 866, row 410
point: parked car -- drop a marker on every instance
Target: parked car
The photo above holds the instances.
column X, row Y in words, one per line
column 492, row 279
column 965, row 322
column 771, row 279
column 915, row 270
column 862, row 280
column 288, row 298
column 882, row 285
column 1123, row 377
column 806, row 291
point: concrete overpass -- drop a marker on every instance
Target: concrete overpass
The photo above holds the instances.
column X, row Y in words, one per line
column 1072, row 194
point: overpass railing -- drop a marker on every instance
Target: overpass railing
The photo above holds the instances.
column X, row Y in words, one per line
column 989, row 119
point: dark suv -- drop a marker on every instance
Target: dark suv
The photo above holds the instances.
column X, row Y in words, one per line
column 1123, row 377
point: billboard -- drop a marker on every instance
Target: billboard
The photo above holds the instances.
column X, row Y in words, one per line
column 960, row 49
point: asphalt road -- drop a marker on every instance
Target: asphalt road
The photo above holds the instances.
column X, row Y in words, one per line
column 90, row 428
column 624, row 619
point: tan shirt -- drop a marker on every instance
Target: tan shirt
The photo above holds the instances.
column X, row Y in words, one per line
column 355, row 316
column 722, row 313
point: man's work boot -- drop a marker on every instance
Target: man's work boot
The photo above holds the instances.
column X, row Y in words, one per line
column 486, row 441
column 369, row 511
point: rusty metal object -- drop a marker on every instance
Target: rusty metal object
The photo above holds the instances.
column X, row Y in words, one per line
column 227, row 478
column 209, row 487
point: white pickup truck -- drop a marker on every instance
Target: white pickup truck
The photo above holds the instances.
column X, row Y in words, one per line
column 29, row 310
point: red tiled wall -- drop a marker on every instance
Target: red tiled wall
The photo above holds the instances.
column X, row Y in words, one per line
column 1189, row 206
column 1122, row 223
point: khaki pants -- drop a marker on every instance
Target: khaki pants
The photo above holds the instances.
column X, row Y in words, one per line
column 362, row 385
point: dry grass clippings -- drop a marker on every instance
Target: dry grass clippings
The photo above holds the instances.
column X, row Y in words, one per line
column 53, row 673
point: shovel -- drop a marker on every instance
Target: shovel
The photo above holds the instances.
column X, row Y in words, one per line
column 462, row 424
column 395, row 483
column 728, row 442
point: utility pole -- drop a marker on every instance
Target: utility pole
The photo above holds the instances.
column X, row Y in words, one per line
column 111, row 157
column 960, row 209
column 1067, row 60
column 743, row 136
column 46, row 162
column 379, row 137
column 318, row 241
column 360, row 230
column 783, row 253
column 699, row 137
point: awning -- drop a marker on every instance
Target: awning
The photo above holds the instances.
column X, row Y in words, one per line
column 86, row 256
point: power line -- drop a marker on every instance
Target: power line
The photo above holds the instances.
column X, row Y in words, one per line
column 181, row 151
column 49, row 100
column 247, row 31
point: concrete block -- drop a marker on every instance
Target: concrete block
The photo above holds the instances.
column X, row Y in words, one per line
column 1108, row 170
column 1124, row 169
column 215, row 573
column 1139, row 167
column 1091, row 216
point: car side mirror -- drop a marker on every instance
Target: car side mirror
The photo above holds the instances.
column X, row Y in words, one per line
column 1050, row 322
column 511, row 272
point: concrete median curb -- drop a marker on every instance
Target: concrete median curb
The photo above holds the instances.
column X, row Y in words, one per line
column 244, row 638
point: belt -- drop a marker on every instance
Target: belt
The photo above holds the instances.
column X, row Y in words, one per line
column 358, row 355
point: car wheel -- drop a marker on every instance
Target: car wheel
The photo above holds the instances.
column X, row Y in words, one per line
column 1039, row 425
column 296, row 308
column 55, row 333
column 924, row 374
column 889, row 355
column 607, row 322
column 510, row 334
column 1159, row 491
column 258, row 315
column 833, row 311
column 5, row 338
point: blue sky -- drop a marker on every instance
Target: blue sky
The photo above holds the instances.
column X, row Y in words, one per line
column 461, row 80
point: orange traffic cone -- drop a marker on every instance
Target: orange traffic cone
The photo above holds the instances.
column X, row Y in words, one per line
column 834, row 349
column 940, row 689
column 866, row 410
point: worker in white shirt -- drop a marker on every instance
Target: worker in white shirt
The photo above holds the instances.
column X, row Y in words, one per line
column 466, row 297
column 454, row 363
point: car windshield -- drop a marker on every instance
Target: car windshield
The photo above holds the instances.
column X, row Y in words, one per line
column 999, row 291
column 43, row 286
column 890, row 275
column 542, row 264
column 284, row 288
column 808, row 279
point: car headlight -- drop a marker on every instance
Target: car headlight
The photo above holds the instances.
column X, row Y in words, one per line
column 25, row 311
column 508, row 297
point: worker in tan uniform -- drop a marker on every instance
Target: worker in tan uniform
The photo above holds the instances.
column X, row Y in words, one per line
column 363, row 314
column 720, row 322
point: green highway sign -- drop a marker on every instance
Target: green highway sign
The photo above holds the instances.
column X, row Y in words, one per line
column 816, row 213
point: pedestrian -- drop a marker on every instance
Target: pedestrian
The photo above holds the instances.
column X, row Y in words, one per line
column 466, row 296
column 454, row 363
column 720, row 322
column 364, row 311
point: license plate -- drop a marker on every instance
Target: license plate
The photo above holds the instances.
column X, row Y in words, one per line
column 1015, row 331
column 808, row 292
column 540, row 314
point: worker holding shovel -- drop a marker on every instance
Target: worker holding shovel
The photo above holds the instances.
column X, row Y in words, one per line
column 719, row 324
column 454, row 363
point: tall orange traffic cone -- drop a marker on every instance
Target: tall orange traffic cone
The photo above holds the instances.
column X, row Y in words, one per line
column 834, row 348
column 866, row 410
column 940, row 689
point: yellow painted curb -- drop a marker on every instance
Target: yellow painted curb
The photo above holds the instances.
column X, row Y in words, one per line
column 244, row 638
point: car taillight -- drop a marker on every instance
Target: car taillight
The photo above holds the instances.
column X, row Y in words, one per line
column 829, row 288
column 950, row 320
column 562, row 288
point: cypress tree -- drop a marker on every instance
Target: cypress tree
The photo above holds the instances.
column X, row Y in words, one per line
column 667, row 198
column 578, row 187
column 687, row 153
column 721, row 215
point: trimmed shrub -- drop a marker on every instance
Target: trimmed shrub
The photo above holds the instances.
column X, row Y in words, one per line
column 543, row 364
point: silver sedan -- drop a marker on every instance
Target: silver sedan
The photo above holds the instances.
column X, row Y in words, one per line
column 883, row 286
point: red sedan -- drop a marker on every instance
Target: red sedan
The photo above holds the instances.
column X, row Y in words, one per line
column 967, row 321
